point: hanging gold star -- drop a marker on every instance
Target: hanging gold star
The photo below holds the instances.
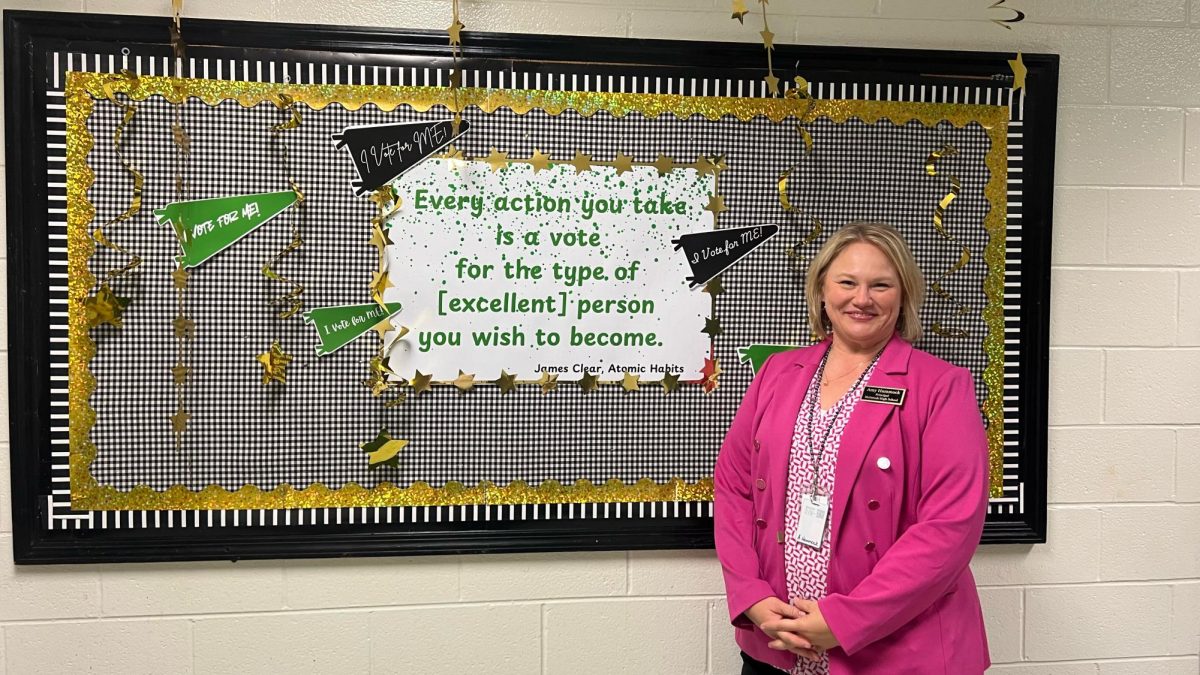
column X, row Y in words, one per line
column 421, row 383
column 629, row 382
column 713, row 287
column 506, row 382
column 464, row 381
column 712, row 327
column 711, row 371
column 104, row 307
column 623, row 163
column 548, row 382
column 383, row 195
column 380, row 238
column 716, row 204
column 455, row 31
column 664, row 165
column 180, row 277
column 379, row 283
column 768, row 39
column 581, row 162
column 539, row 161
column 274, row 362
column 702, row 165
column 383, row 327
column 739, row 10
column 1019, row 71
column 383, row 450
column 772, row 83
column 184, row 327
column 377, row 379
column 496, row 160
column 589, row 382
column 670, row 382
column 179, row 373
column 179, row 421
column 452, row 153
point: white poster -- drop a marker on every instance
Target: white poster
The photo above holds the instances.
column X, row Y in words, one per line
column 553, row 271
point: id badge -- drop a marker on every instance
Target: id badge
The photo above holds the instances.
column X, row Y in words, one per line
column 814, row 513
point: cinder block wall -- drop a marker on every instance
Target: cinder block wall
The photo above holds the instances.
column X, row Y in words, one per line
column 1117, row 589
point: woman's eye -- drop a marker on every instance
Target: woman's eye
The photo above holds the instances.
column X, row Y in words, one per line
column 847, row 284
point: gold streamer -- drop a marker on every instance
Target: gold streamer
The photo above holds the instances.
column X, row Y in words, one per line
column 110, row 88
column 181, row 371
column 939, row 224
column 1017, row 17
column 794, row 251
column 291, row 301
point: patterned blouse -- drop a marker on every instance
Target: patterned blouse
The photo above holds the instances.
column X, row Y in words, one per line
column 808, row 567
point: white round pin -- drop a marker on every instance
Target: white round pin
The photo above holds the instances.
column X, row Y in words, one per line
column 883, row 463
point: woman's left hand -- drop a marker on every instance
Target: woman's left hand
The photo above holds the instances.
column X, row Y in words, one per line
column 811, row 627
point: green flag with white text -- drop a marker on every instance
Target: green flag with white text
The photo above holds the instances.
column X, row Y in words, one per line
column 205, row 227
column 339, row 325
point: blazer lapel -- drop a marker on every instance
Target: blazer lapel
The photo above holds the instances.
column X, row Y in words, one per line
column 865, row 422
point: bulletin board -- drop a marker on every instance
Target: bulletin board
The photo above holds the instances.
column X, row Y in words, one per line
column 315, row 291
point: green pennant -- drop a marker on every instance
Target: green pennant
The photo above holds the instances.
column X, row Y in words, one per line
column 205, row 227
column 339, row 325
column 757, row 354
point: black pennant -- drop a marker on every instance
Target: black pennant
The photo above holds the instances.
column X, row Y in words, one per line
column 383, row 151
column 711, row 252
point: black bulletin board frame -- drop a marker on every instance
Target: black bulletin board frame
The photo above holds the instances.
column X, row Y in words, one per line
column 29, row 36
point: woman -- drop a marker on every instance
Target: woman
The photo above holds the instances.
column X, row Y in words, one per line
column 851, row 488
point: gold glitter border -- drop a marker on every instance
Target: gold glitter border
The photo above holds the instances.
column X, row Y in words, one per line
column 83, row 88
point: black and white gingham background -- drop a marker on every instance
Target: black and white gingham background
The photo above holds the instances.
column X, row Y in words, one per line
column 308, row 431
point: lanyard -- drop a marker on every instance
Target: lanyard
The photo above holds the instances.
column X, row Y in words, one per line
column 816, row 452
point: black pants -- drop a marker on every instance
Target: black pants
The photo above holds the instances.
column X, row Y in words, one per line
column 752, row 666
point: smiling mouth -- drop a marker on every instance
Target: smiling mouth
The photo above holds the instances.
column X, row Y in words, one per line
column 860, row 316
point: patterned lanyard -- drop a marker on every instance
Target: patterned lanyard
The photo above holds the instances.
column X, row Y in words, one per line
column 816, row 452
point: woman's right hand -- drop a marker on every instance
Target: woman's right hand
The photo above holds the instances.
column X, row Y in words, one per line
column 773, row 609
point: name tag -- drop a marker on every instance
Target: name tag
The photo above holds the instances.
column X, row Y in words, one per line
column 886, row 395
column 814, row 513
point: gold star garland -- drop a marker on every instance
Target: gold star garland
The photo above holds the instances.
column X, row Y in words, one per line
column 455, row 33
column 387, row 202
column 181, row 371
column 290, row 301
column 939, row 224
column 104, row 301
column 739, row 12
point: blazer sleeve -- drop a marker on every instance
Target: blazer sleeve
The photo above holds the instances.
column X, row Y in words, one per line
column 932, row 553
column 733, row 510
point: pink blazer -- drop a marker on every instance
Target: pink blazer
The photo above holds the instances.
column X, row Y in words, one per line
column 909, row 499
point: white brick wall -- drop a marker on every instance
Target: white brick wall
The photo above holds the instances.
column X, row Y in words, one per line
column 1115, row 592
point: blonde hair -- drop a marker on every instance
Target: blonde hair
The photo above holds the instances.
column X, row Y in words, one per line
column 885, row 238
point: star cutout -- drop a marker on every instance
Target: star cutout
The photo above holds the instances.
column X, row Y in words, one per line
column 180, row 277
column 629, row 382
column 421, row 383
column 464, row 381
column 581, row 162
column 768, row 39
column 772, row 83
column 664, row 165
column 380, row 238
column 713, row 287
column 497, row 160
column 274, row 362
column 455, row 31
column 539, row 161
column 379, row 283
column 506, row 382
column 702, row 165
column 548, row 382
column 184, row 327
column 382, row 196
column 716, row 204
column 383, row 327
column 179, row 374
column 623, row 163
column 712, row 328
column 453, row 153
column 739, row 10
column 104, row 307
column 589, row 382
column 377, row 380
column 712, row 371
column 179, row 421
column 1019, row 71
column 670, row 382
column 384, row 450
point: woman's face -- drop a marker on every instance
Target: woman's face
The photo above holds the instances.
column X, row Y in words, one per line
column 862, row 295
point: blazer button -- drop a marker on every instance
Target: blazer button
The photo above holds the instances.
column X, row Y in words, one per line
column 757, row 444
column 779, row 536
column 761, row 484
column 869, row 546
column 873, row 505
column 760, row 523
column 883, row 463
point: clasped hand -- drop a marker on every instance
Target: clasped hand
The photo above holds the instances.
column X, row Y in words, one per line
column 798, row 628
